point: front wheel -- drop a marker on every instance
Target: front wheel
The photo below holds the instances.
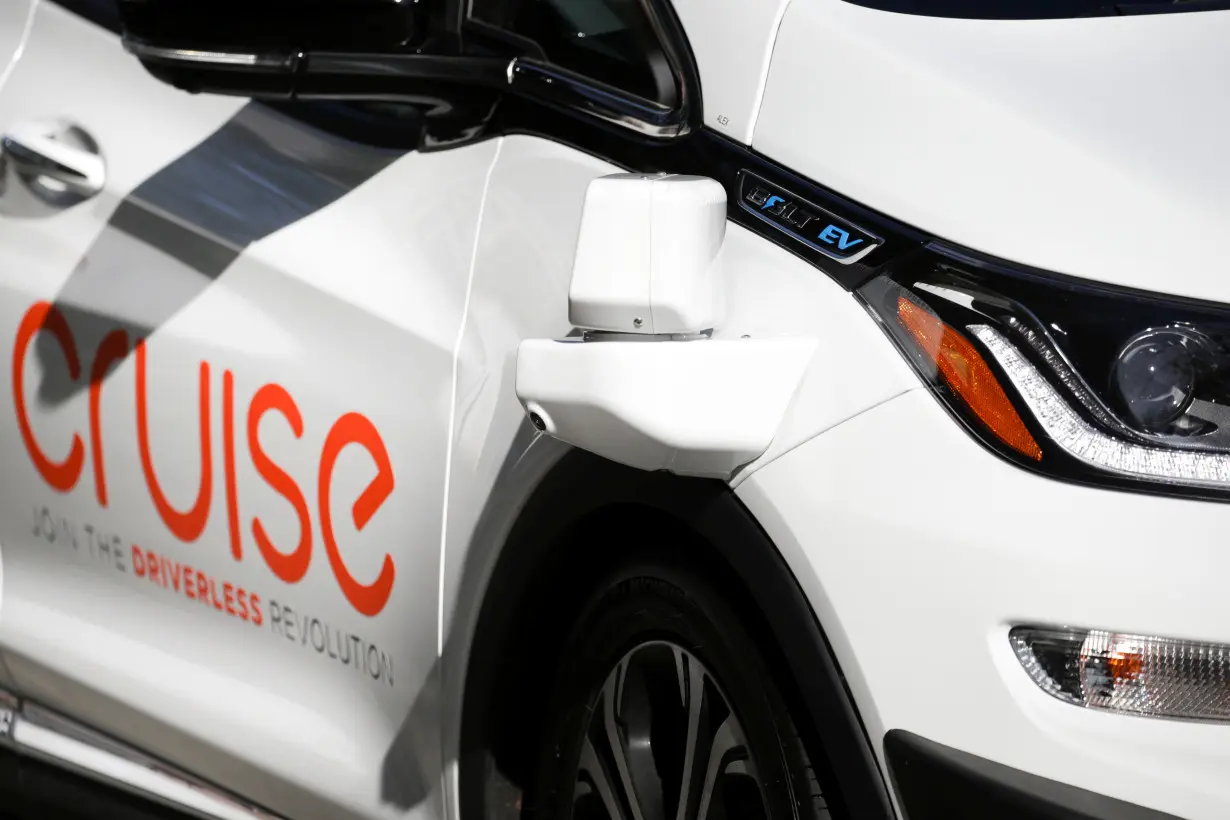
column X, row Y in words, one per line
column 664, row 708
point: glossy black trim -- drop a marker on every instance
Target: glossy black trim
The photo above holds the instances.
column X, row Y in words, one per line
column 282, row 62
column 666, row 119
column 105, row 13
column 804, row 221
column 936, row 782
column 287, row 26
column 483, row 37
column 572, row 92
column 472, row 71
column 998, row 266
column 673, row 40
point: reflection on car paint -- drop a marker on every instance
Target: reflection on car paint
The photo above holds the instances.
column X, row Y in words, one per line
column 177, row 232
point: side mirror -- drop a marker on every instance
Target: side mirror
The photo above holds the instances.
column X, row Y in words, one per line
column 653, row 382
column 306, row 49
column 383, row 51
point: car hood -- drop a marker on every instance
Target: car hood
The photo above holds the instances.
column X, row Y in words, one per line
column 1095, row 147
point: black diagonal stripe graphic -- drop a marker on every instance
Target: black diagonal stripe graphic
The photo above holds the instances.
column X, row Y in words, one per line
column 173, row 236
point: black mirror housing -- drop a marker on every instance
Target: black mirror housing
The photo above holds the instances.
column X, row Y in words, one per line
column 299, row 48
column 276, row 26
column 383, row 51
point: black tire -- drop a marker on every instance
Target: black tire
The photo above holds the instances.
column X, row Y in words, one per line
column 628, row 671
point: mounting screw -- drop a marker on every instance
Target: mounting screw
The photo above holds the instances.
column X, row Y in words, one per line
column 638, row 321
column 538, row 423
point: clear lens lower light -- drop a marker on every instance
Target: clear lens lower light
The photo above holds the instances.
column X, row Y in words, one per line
column 1134, row 674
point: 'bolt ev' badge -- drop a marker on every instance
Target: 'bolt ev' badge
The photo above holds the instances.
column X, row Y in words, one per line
column 815, row 227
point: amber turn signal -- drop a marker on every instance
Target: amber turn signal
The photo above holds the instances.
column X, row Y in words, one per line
column 967, row 374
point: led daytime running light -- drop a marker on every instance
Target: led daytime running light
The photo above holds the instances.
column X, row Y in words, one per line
column 1085, row 442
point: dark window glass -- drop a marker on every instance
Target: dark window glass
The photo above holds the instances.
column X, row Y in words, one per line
column 105, row 13
column 606, row 40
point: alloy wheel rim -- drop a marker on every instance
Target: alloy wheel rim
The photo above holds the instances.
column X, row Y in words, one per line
column 664, row 744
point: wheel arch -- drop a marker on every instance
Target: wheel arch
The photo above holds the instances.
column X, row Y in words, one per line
column 570, row 528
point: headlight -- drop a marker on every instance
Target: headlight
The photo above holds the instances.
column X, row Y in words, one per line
column 1079, row 380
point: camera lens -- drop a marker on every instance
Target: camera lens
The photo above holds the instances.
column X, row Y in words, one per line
column 1155, row 375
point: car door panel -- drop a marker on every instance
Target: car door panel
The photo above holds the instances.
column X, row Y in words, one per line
column 248, row 687
column 240, row 357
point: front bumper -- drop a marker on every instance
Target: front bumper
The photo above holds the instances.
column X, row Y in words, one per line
column 935, row 782
column 918, row 550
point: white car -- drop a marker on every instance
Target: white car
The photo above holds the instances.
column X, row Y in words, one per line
column 619, row 409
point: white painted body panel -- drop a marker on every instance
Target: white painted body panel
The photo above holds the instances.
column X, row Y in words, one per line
column 732, row 41
column 1093, row 147
column 918, row 549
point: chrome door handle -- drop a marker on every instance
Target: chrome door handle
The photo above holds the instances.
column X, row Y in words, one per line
column 60, row 163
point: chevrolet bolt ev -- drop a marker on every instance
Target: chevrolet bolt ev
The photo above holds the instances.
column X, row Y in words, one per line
column 623, row 409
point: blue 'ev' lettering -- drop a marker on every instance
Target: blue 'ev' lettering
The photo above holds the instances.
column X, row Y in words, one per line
column 835, row 235
column 773, row 200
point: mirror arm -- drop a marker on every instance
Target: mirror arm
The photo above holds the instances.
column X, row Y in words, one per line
column 474, row 71
column 284, row 62
column 289, row 74
column 573, row 92
column 310, row 74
